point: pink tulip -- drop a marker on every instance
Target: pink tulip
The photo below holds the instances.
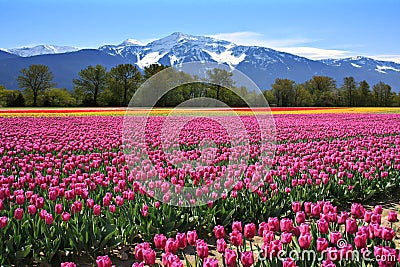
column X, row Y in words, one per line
column 360, row 241
column 334, row 237
column 300, row 217
column 286, row 225
column 323, row 226
column 305, row 241
column 97, row 210
column 273, row 224
column 210, row 262
column 3, row 222
column 160, row 241
column 18, row 214
column 149, row 256
column 68, row 264
column 221, row 245
column 230, row 258
column 181, row 239
column 286, row 238
column 247, row 258
column 103, row 261
column 322, row 244
column 202, row 249
column 249, row 230
column 219, row 231
column 171, row 246
column 192, row 237
column 296, row 206
column 237, row 226
column 392, row 216
column 65, row 216
column 351, row 226
column 236, row 238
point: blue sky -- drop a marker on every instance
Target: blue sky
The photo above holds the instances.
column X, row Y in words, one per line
column 315, row 29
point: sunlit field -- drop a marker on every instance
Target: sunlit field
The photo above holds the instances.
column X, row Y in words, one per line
column 70, row 193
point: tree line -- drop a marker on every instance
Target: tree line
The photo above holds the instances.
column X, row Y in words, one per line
column 322, row 91
column 95, row 86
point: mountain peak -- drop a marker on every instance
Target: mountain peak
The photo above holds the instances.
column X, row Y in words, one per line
column 131, row 41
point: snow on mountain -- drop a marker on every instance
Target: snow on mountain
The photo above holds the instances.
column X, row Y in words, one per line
column 365, row 63
column 29, row 51
column 263, row 65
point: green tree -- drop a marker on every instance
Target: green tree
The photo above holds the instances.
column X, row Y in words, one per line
column 349, row 91
column 323, row 89
column 218, row 79
column 382, row 94
column 91, row 82
column 36, row 79
column 123, row 80
column 270, row 97
column 301, row 97
column 152, row 69
column 283, row 90
column 363, row 94
column 59, row 97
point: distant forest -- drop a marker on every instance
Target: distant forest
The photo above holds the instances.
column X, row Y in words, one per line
column 98, row 87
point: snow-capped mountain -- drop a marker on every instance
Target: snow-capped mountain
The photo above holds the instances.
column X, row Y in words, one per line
column 181, row 48
column 365, row 63
column 263, row 65
column 29, row 51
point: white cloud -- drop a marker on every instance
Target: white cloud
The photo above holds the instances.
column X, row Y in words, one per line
column 316, row 53
column 393, row 58
column 290, row 45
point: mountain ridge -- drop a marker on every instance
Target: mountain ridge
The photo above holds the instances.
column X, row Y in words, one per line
column 261, row 64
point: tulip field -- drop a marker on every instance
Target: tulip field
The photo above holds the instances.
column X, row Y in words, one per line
column 73, row 192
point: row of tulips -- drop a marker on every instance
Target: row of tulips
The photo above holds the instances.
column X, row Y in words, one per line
column 74, row 177
column 318, row 235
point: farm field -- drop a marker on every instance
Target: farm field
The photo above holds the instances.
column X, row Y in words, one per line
column 80, row 187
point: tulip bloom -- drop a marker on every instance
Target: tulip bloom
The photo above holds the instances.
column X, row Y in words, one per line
column 334, row 237
column 219, row 231
column 351, row 226
column 103, row 261
column 181, row 239
column 171, row 246
column 249, row 230
column 160, row 240
column 323, row 226
column 305, row 241
column 3, row 222
column 286, row 237
column 97, row 210
column 230, row 258
column 149, row 256
column 236, row 238
column 247, row 258
column 360, row 241
column 221, row 245
column 202, row 249
column 392, row 216
column 237, row 226
column 210, row 262
column 286, row 225
column 18, row 214
column 191, row 237
column 300, row 217
column 322, row 244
